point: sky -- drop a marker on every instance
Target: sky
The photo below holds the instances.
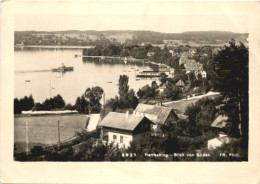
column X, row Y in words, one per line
column 162, row 17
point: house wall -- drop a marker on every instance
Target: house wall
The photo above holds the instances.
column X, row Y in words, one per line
column 116, row 136
column 214, row 143
column 172, row 118
column 124, row 143
column 141, row 135
column 142, row 139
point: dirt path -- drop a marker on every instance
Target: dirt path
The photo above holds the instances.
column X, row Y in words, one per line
column 180, row 105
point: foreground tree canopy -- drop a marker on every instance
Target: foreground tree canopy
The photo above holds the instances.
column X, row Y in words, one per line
column 231, row 67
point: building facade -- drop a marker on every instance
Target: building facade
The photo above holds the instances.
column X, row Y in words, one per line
column 160, row 115
column 121, row 129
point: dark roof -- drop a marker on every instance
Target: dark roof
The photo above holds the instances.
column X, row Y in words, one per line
column 159, row 113
column 121, row 121
column 220, row 122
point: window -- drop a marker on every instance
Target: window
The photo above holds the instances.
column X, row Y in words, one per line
column 146, row 125
column 121, row 139
column 114, row 136
column 105, row 136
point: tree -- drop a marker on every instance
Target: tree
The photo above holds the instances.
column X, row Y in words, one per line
column 27, row 103
column 69, row 107
column 191, row 76
column 231, row 66
column 132, row 99
column 110, row 106
column 154, row 85
column 171, row 145
column 17, row 107
column 123, row 87
column 93, row 96
column 81, row 105
column 38, row 107
column 148, row 92
column 172, row 92
column 24, row 104
column 126, row 101
column 58, row 102
column 192, row 110
column 163, row 79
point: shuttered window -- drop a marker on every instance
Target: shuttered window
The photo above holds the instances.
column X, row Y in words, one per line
column 114, row 137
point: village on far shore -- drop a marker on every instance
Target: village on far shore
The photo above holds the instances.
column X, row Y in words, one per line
column 195, row 108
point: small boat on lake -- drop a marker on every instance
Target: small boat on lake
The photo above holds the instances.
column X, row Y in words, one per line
column 63, row 68
column 76, row 55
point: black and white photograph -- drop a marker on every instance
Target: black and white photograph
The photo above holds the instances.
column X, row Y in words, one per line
column 131, row 83
column 128, row 95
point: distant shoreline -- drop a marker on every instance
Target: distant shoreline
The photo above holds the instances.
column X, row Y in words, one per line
column 54, row 46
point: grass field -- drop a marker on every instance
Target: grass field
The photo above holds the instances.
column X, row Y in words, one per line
column 44, row 129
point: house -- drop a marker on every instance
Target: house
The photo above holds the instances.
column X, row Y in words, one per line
column 149, row 54
column 160, row 115
column 180, row 83
column 183, row 61
column 163, row 68
column 192, row 65
column 182, row 116
column 192, row 51
column 171, row 73
column 172, row 42
column 172, row 52
column 149, row 74
column 122, row 128
column 219, row 141
column 162, row 88
column 161, row 46
column 202, row 73
column 220, row 123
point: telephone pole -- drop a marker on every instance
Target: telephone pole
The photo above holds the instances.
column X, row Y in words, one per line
column 59, row 130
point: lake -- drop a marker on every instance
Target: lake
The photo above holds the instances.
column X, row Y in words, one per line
column 34, row 66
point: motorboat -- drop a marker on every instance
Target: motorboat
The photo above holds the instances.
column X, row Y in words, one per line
column 63, row 68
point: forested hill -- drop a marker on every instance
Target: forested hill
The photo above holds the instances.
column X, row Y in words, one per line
column 92, row 37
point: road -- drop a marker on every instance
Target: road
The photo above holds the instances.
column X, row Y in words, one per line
column 180, row 105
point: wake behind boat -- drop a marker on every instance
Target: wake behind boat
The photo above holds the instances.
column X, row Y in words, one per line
column 63, row 68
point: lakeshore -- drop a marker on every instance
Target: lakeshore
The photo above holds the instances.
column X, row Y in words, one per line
column 34, row 64
column 54, row 46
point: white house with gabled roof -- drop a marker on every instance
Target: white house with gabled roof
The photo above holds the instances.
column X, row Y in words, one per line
column 122, row 128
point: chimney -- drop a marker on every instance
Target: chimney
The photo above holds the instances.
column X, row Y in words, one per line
column 127, row 113
column 222, row 134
